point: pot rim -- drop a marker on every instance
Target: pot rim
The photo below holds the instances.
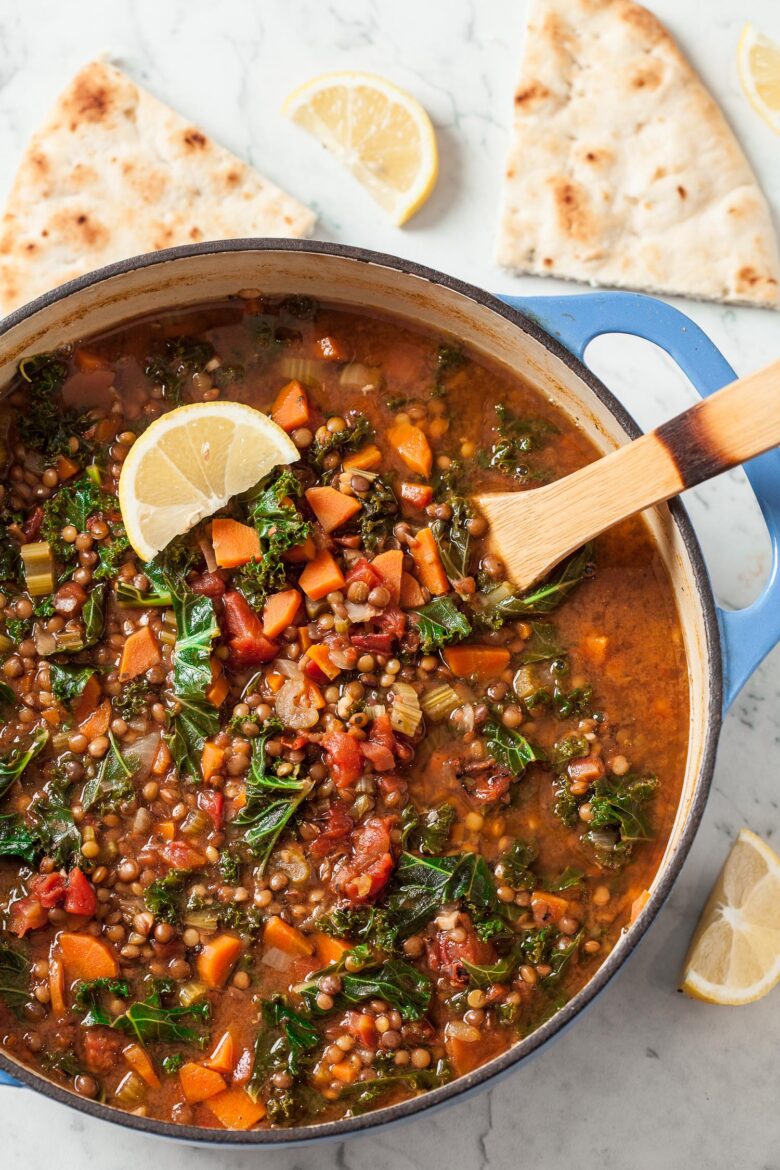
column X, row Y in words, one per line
column 503, row 1064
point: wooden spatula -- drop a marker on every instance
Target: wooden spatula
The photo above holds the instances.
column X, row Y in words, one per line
column 531, row 531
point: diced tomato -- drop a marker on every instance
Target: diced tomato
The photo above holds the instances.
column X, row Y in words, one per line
column 32, row 525
column 180, row 855
column 392, row 621
column 382, row 733
column 418, row 495
column 49, row 889
column 368, row 869
column 345, row 758
column 244, row 631
column 315, row 672
column 331, row 349
column 101, row 1049
column 27, row 914
column 294, row 743
column 388, row 785
column 364, row 571
column 208, row 584
column 446, row 956
column 80, row 897
column 381, row 643
column 490, row 786
column 212, row 803
column 337, row 826
column 380, row 756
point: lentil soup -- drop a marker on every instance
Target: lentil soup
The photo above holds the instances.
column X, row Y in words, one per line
column 312, row 812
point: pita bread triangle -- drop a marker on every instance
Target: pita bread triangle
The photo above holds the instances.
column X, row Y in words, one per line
column 114, row 172
column 623, row 170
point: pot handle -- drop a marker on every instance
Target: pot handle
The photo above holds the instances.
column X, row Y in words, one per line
column 747, row 635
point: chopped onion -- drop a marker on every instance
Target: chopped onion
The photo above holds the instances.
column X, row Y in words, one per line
column 286, row 666
column 340, row 659
column 460, row 1031
column 358, row 376
column 144, row 751
column 290, row 709
column 359, row 612
column 276, row 959
column 207, row 548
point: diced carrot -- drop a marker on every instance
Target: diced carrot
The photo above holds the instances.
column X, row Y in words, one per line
column 88, row 699
column 419, row 495
column 547, row 907
column 211, row 760
column 275, row 680
column 279, row 611
column 66, row 468
column 223, row 1055
column 218, row 691
column 103, row 431
column 390, row 565
column 366, row 459
column 162, row 759
column 343, row 1071
column 199, row 1083
column 87, row 359
column 413, row 447
column 412, row 595
column 140, row 653
column 638, row 905
column 287, row 938
column 329, row 950
column 98, row 722
column 217, row 959
column 481, row 662
column 321, row 576
column 235, row 1109
column 332, row 508
column 140, row 1061
column 234, row 543
column 301, row 552
column 57, row 986
column 465, row 1057
column 291, row 407
column 165, row 830
column 86, row 957
column 318, row 653
column 425, row 552
column 594, row 647
column 304, row 638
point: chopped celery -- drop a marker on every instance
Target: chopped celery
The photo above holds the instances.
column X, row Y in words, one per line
column 358, row 376
column 306, row 370
column 38, row 567
column 405, row 713
column 439, row 702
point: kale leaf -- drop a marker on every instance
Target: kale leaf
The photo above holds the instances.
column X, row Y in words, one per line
column 354, row 435
column 68, row 682
column 13, row 763
column 113, row 781
column 271, row 800
column 175, row 361
column 440, row 622
column 45, row 424
column 509, row 748
column 280, row 527
column 378, row 515
column 14, row 977
column 164, row 897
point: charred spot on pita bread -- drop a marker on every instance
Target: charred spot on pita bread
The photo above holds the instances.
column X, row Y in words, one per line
column 572, row 207
column 531, row 94
column 195, row 140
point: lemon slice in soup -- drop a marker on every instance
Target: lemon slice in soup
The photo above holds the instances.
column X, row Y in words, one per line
column 189, row 463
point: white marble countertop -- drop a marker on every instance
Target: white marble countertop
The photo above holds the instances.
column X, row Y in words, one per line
column 647, row 1078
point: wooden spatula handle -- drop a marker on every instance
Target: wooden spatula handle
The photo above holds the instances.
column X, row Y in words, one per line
column 534, row 530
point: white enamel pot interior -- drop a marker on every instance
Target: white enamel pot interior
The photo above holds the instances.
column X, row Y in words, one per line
column 208, row 272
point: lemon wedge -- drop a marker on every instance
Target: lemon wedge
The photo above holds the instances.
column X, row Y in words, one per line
column 758, row 63
column 380, row 133
column 189, row 463
column 734, row 956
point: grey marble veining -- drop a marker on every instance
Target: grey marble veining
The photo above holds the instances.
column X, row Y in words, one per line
column 646, row 1078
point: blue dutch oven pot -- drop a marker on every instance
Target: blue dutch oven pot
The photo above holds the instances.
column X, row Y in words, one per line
column 545, row 339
